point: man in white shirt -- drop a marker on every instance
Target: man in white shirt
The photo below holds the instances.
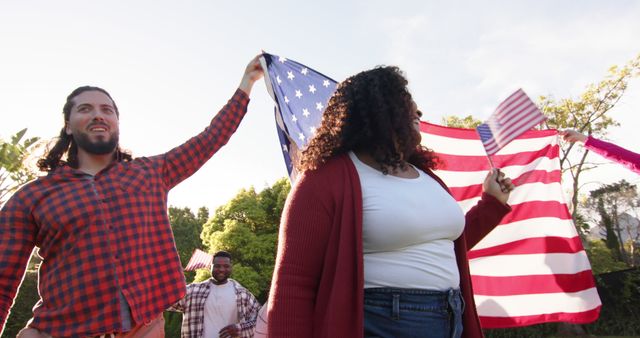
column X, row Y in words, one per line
column 219, row 306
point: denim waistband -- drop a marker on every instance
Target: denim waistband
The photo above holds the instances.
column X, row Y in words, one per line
column 389, row 290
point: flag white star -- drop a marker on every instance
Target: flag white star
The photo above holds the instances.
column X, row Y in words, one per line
column 319, row 106
column 298, row 93
column 312, row 89
column 278, row 79
column 294, row 118
column 282, row 59
column 290, row 75
column 304, row 71
column 325, row 83
column 301, row 136
column 286, row 99
column 312, row 130
column 285, row 149
column 305, row 112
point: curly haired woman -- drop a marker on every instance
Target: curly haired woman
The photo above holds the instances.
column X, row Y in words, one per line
column 371, row 242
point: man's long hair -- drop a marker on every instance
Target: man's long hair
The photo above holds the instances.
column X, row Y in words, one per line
column 65, row 143
column 371, row 111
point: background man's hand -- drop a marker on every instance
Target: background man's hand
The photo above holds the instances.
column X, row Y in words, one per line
column 229, row 331
column 252, row 73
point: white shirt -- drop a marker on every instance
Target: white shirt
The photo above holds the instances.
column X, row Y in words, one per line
column 409, row 226
column 220, row 309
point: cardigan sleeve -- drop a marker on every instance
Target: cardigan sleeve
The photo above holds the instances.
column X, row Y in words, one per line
column 305, row 227
column 482, row 218
column 614, row 153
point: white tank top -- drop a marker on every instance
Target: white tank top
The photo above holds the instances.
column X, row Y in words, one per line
column 408, row 230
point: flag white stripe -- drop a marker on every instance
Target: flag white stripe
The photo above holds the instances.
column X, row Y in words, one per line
column 530, row 264
column 530, row 228
column 535, row 304
column 456, row 178
column 525, row 193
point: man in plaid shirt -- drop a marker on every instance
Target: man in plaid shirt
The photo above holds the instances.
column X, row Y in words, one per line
column 100, row 221
column 219, row 306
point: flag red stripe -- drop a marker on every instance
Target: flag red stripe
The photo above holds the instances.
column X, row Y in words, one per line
column 533, row 284
column 518, row 125
column 531, row 246
column 524, row 120
column 534, row 176
column 516, row 321
column 537, row 209
column 506, row 105
column 513, row 109
column 480, row 163
column 471, row 134
column 511, row 97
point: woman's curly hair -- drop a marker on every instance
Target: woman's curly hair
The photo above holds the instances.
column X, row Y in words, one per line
column 371, row 111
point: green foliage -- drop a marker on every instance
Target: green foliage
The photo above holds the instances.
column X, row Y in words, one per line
column 24, row 302
column 610, row 201
column 172, row 324
column 602, row 259
column 186, row 228
column 13, row 169
column 247, row 227
column 620, row 294
column 468, row 122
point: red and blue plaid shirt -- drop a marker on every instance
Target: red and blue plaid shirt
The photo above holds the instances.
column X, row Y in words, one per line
column 104, row 234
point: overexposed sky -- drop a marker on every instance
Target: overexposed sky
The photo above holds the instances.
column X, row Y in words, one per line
column 171, row 66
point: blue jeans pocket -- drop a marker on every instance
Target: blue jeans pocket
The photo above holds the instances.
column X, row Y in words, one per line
column 390, row 312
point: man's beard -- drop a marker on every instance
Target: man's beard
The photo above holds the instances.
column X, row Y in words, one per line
column 96, row 148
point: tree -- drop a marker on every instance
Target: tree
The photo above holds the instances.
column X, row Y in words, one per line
column 14, row 172
column 247, row 227
column 602, row 258
column 587, row 114
column 186, row 227
column 468, row 122
column 610, row 202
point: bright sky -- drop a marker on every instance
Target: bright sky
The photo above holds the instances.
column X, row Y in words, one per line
column 171, row 66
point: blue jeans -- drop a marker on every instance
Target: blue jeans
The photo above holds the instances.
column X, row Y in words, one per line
column 392, row 312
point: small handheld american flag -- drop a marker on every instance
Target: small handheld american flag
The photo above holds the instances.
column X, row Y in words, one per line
column 514, row 116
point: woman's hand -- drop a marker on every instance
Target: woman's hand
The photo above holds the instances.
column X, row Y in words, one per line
column 498, row 186
column 570, row 135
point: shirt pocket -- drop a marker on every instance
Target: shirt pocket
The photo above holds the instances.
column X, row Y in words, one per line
column 135, row 179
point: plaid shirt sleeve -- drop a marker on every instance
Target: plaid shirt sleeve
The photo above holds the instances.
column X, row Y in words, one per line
column 249, row 307
column 184, row 160
column 17, row 239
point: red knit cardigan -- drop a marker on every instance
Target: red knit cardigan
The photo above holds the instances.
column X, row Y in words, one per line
column 318, row 282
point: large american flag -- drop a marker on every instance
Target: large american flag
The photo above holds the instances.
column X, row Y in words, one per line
column 531, row 268
column 514, row 116
column 301, row 94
